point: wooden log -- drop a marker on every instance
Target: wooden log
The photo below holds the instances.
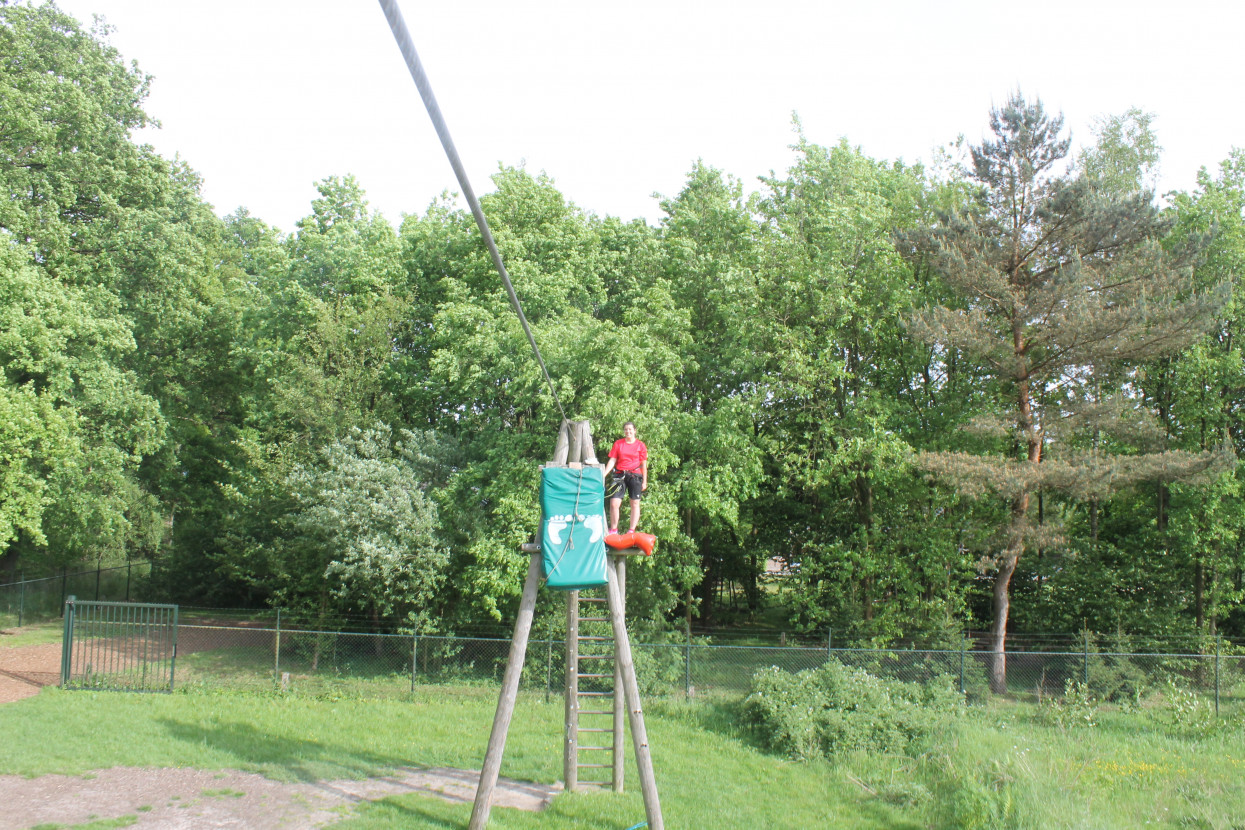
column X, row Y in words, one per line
column 635, row 715
column 505, row 703
column 620, row 710
column 561, row 449
column 587, row 452
column 570, row 746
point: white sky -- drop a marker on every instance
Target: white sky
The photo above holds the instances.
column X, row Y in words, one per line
column 616, row 101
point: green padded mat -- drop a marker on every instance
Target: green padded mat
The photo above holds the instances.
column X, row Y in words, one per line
column 572, row 527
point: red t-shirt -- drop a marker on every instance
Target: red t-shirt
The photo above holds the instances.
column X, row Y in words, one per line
column 628, row 456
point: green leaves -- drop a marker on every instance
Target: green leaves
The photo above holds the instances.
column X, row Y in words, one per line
column 365, row 510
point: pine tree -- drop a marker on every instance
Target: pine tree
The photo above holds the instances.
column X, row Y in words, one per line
column 1064, row 286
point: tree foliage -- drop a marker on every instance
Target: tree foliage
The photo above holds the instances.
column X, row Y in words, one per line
column 1008, row 391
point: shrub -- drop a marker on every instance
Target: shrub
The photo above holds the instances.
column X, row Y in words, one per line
column 1077, row 707
column 1184, row 712
column 837, row 709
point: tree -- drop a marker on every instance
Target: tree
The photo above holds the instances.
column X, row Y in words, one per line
column 1063, row 284
column 364, row 517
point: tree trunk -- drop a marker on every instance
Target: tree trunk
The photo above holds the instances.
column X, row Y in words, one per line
column 998, row 632
column 1019, row 525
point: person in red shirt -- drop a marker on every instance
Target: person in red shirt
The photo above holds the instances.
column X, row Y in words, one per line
column 629, row 464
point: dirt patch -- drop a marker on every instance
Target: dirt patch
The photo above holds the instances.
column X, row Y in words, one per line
column 25, row 670
column 182, row 799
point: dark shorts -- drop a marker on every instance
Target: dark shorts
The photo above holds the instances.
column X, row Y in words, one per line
column 631, row 482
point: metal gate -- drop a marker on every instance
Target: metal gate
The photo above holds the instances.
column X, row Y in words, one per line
column 130, row 646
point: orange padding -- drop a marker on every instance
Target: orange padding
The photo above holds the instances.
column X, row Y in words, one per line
column 632, row 539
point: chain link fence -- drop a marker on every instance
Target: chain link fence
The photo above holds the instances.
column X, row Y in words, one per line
column 261, row 655
column 30, row 601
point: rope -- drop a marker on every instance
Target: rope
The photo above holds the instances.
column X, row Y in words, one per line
column 403, row 37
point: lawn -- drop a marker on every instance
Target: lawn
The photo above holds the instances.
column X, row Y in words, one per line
column 1002, row 766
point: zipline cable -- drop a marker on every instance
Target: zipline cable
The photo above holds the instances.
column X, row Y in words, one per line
column 403, row 37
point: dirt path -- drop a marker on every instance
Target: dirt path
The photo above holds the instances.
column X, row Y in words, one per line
column 27, row 669
column 186, row 799
column 182, row 799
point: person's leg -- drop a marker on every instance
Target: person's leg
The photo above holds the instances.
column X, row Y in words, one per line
column 635, row 513
column 615, row 509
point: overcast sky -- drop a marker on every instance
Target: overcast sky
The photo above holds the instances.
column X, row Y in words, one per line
column 616, row 101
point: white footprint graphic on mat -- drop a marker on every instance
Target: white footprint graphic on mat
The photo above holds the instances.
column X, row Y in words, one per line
column 554, row 528
column 597, row 525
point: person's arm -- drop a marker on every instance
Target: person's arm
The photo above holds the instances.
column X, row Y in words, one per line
column 644, row 473
column 608, row 466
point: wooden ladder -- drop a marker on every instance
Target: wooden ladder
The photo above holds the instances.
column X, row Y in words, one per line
column 595, row 715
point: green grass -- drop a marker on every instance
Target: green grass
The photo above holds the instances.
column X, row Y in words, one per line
column 102, row 824
column 1003, row 767
column 30, row 635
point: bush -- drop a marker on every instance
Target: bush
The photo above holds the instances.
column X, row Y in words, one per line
column 836, row 709
column 1186, row 713
column 1076, row 709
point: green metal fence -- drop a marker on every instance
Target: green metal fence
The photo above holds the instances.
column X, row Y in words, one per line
column 129, row 646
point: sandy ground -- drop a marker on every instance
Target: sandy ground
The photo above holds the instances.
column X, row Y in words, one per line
column 26, row 670
column 187, row 799
column 181, row 799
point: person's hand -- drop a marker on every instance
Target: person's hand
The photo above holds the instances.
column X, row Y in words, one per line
column 644, row 485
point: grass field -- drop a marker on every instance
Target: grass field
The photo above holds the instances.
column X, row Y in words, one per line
column 1001, row 766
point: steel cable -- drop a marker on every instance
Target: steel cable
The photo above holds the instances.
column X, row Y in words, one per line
column 403, row 37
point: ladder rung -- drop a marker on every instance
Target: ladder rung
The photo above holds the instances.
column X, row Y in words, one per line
column 611, row 674
column 594, row 619
column 596, row 657
column 597, row 639
column 581, row 748
column 586, row 729
column 596, row 712
column 595, row 766
column 591, row 599
column 595, row 783
column 595, row 694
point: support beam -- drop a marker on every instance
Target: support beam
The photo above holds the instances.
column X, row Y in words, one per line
column 620, row 710
column 570, row 746
column 505, row 704
column 639, row 735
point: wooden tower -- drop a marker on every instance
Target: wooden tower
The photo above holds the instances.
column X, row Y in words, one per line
column 593, row 713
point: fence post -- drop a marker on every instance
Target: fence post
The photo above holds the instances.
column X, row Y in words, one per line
column 1216, row 678
column 128, row 566
column 67, row 642
column 548, row 668
column 276, row 652
column 414, row 655
column 963, row 643
column 21, row 602
column 829, row 642
column 687, row 666
column 173, row 660
column 1086, row 647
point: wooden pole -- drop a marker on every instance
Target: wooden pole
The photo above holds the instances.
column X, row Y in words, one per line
column 570, row 747
column 505, row 704
column 639, row 736
column 620, row 712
